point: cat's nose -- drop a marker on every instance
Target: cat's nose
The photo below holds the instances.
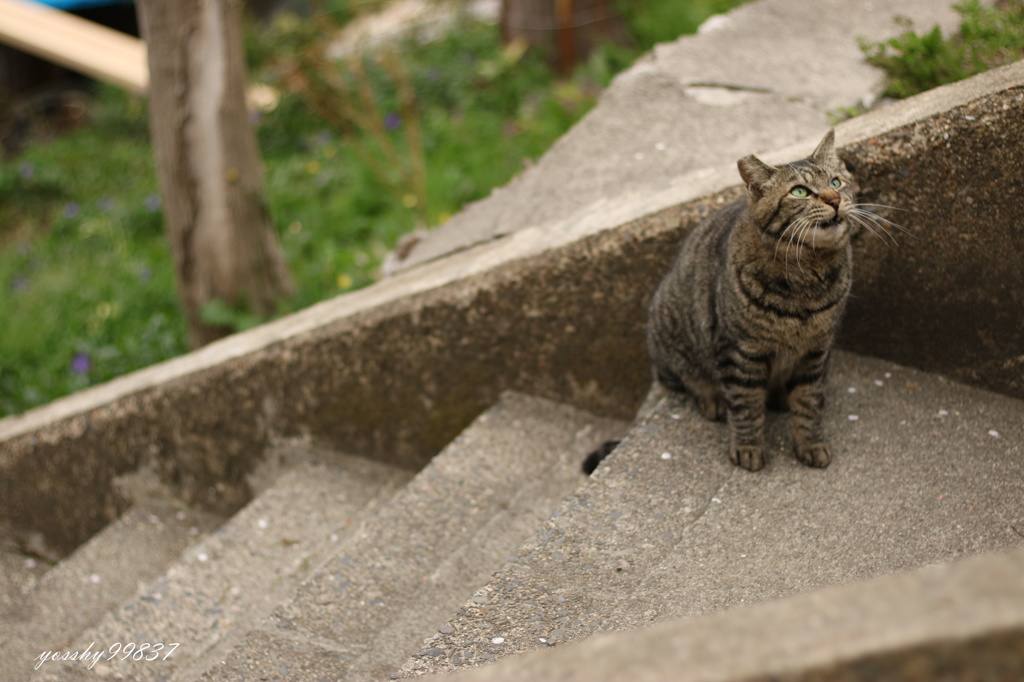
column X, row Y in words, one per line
column 831, row 197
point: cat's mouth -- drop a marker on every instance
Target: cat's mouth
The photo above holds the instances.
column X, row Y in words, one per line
column 835, row 222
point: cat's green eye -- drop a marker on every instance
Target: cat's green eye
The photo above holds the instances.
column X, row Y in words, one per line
column 800, row 192
column 836, row 183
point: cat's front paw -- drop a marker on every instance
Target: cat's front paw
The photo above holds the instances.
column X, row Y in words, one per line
column 749, row 457
column 814, row 455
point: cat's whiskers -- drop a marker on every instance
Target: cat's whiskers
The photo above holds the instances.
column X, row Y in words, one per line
column 867, row 225
column 871, row 220
column 892, row 208
column 795, row 227
column 801, row 241
column 814, row 235
column 880, row 219
column 802, row 226
column 865, row 212
column 778, row 242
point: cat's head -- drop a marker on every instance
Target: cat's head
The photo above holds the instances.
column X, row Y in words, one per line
column 804, row 202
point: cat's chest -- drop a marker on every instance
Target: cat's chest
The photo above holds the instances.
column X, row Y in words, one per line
column 798, row 301
column 786, row 318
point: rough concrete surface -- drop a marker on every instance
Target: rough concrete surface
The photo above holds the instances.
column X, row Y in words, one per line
column 411, row 564
column 925, row 471
column 237, row 574
column 948, row 295
column 19, row 575
column 99, row 576
column 950, row 623
column 766, row 73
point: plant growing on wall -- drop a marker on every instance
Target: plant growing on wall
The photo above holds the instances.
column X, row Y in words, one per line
column 988, row 37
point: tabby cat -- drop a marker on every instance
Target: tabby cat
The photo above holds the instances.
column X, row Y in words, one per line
column 748, row 312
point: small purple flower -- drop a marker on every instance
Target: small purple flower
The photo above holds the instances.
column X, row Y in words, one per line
column 80, row 364
column 392, row 121
column 323, row 138
column 70, row 209
column 145, row 274
column 27, row 169
column 105, row 204
column 153, row 203
column 19, row 283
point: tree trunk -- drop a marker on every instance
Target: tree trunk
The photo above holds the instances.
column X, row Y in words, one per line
column 568, row 30
column 208, row 165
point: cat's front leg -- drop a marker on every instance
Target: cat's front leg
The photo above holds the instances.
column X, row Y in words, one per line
column 746, row 411
column 743, row 378
column 807, row 407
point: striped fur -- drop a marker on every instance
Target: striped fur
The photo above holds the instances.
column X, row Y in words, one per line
column 748, row 313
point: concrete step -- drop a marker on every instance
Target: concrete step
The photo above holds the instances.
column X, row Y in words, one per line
column 237, row 574
column 54, row 608
column 926, row 471
column 413, row 561
column 19, row 575
column 945, row 623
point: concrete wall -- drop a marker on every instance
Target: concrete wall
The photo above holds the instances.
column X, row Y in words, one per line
column 950, row 298
column 396, row 370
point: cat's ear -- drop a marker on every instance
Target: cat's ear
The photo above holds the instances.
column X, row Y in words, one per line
column 826, row 150
column 756, row 174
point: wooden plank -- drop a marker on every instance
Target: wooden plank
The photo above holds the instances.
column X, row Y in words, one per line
column 75, row 43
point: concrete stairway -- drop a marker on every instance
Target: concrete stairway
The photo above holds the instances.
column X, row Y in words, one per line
column 46, row 612
column 667, row 528
column 341, row 566
column 236, row 574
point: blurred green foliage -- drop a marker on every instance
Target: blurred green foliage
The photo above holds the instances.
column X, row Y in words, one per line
column 86, row 278
column 989, row 36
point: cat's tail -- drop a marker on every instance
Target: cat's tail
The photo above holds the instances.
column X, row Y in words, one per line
column 598, row 455
column 665, row 381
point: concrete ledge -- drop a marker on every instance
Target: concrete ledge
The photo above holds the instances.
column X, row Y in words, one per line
column 396, row 370
column 749, row 80
column 954, row 622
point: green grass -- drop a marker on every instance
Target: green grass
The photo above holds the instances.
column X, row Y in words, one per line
column 988, row 37
column 85, row 265
column 86, row 280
